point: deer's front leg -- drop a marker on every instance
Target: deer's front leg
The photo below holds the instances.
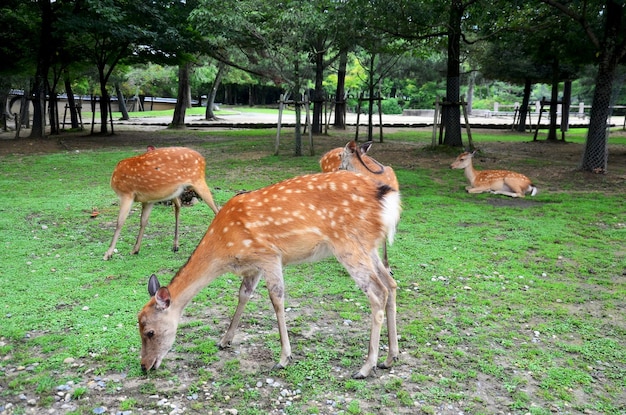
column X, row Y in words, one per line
column 248, row 285
column 146, row 209
column 477, row 189
column 177, row 204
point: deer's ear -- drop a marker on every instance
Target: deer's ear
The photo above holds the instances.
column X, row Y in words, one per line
column 350, row 147
column 163, row 298
column 153, row 285
column 365, row 147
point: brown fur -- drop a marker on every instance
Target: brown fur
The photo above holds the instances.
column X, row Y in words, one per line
column 255, row 234
column 157, row 175
column 502, row 182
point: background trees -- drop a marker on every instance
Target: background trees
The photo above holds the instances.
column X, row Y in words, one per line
column 417, row 50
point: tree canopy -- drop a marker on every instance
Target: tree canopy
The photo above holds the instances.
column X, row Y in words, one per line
column 409, row 51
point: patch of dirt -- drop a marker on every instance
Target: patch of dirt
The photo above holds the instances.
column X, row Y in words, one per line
column 556, row 168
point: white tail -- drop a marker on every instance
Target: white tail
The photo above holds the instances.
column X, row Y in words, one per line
column 502, row 182
column 157, row 175
column 354, row 158
column 255, row 234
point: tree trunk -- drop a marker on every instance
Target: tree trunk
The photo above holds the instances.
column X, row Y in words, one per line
column 221, row 71
column 370, row 93
column 595, row 156
column 318, row 94
column 567, row 100
column 340, row 94
column 470, row 92
column 451, row 113
column 523, row 111
column 104, row 101
column 53, row 110
column 554, row 98
column 43, row 66
column 121, row 102
column 71, row 103
column 297, row 98
column 182, row 101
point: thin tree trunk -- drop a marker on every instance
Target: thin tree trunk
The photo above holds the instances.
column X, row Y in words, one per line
column 121, row 102
column 370, row 109
column 221, row 71
column 104, row 102
column 318, row 94
column 71, row 103
column 340, row 102
column 470, row 92
column 523, row 111
column 554, row 98
column 297, row 98
column 182, row 101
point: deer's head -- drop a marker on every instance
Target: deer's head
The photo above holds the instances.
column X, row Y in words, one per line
column 157, row 326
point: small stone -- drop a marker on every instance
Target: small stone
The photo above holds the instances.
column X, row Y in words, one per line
column 68, row 360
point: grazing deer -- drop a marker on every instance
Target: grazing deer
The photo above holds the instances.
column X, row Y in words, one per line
column 157, row 175
column 501, row 182
column 355, row 158
column 255, row 234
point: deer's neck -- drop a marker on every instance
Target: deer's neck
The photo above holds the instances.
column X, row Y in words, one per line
column 202, row 268
column 470, row 173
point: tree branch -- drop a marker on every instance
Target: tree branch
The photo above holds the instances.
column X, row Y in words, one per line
column 577, row 18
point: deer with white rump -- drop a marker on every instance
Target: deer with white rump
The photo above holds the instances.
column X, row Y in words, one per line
column 157, row 175
column 354, row 158
column 256, row 234
column 501, row 182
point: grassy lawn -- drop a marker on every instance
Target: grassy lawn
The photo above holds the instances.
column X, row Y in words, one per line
column 504, row 305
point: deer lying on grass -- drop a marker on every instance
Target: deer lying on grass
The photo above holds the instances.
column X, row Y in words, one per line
column 501, row 182
column 355, row 158
column 255, row 234
column 157, row 175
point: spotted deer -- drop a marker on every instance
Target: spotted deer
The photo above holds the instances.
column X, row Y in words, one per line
column 331, row 160
column 256, row 234
column 501, row 182
column 154, row 176
column 355, row 158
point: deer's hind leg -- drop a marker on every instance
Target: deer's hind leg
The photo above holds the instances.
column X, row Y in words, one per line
column 273, row 274
column 390, row 312
column 366, row 270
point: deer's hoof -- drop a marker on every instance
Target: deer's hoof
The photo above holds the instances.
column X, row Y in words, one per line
column 223, row 346
column 358, row 375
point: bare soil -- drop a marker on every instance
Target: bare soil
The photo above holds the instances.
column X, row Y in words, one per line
column 558, row 162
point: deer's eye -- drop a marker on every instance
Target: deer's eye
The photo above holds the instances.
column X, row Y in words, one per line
column 150, row 334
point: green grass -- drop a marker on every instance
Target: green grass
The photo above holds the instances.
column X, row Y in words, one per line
column 501, row 307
